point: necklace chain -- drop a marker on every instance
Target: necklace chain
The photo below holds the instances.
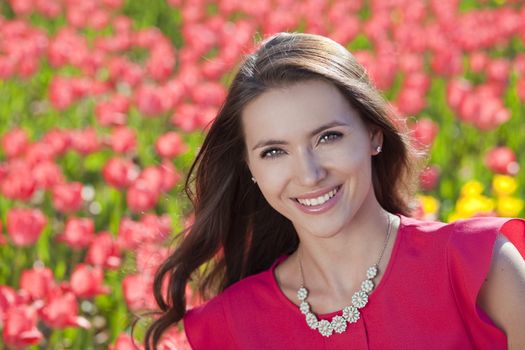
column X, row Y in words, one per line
column 350, row 313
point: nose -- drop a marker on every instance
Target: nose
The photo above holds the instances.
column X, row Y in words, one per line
column 309, row 168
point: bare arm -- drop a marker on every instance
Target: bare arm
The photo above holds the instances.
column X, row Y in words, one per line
column 502, row 295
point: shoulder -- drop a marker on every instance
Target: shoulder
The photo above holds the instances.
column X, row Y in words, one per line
column 460, row 232
column 210, row 324
column 501, row 295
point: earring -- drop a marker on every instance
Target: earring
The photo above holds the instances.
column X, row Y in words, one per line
column 253, row 179
column 378, row 149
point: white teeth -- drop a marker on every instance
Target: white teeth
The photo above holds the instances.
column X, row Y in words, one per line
column 319, row 200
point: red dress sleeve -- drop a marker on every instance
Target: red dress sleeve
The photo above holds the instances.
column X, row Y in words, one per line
column 206, row 326
column 469, row 255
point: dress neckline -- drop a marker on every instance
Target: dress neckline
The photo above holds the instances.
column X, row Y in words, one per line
column 374, row 294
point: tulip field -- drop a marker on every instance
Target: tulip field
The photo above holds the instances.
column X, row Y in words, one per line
column 103, row 105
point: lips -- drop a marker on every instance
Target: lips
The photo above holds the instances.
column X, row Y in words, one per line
column 318, row 200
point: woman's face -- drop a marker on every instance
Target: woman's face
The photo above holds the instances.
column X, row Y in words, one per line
column 311, row 155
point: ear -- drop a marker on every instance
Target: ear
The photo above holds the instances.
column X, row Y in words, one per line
column 376, row 140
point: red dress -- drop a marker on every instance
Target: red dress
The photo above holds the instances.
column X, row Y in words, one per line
column 425, row 300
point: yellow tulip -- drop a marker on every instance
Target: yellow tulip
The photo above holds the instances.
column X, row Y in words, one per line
column 471, row 188
column 471, row 205
column 504, row 185
column 429, row 204
column 454, row 216
column 509, row 206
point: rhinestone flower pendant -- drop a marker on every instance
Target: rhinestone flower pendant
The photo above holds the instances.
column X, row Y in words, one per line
column 351, row 314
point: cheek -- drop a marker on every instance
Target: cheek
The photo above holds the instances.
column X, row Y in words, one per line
column 271, row 179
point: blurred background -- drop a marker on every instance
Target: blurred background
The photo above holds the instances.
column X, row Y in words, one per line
column 103, row 105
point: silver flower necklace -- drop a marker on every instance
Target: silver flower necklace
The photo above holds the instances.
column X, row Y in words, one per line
column 351, row 313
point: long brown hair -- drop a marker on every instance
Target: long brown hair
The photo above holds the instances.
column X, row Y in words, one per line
column 236, row 233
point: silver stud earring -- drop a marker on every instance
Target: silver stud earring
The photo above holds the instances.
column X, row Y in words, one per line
column 378, row 149
column 253, row 179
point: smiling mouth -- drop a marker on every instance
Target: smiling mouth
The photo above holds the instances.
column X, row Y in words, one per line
column 311, row 202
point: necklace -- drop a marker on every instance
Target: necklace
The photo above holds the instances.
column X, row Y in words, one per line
column 351, row 313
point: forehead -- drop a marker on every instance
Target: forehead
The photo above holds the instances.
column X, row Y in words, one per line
column 296, row 109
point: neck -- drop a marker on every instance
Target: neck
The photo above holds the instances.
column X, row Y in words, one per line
column 339, row 263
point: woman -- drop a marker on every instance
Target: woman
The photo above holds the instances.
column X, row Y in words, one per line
column 301, row 234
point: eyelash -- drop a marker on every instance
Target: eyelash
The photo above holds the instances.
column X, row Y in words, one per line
column 337, row 135
column 266, row 153
column 330, row 136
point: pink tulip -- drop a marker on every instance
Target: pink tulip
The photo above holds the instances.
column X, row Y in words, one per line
column 410, row 101
column 152, row 177
column 10, row 298
column 113, row 111
column 49, row 8
column 47, row 174
column 25, row 226
column 99, row 19
column 85, row 141
column 123, row 139
column 209, row 94
column 67, row 47
column 104, row 251
column 170, row 175
column 149, row 257
column 61, row 311
column 478, row 61
column 160, row 227
column 161, row 62
column 124, row 71
column 67, row 197
column 15, row 142
column 87, row 281
column 456, row 91
column 19, row 182
column 38, row 282
column 491, row 114
column 424, row 132
column 189, row 75
column 410, row 63
column 39, row 152
column 175, row 90
column 120, row 173
column 447, row 62
column 58, row 140
column 429, row 177
column 61, row 93
column 138, row 292
column 174, row 339
column 125, row 342
column 19, row 327
column 185, row 117
column 22, row 7
column 142, row 195
column 502, row 160
column 131, row 233
column 7, row 67
column 206, row 117
column 498, row 69
column 151, row 101
column 78, row 232
column 170, row 145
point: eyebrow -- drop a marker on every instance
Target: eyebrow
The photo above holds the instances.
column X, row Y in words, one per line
column 316, row 131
